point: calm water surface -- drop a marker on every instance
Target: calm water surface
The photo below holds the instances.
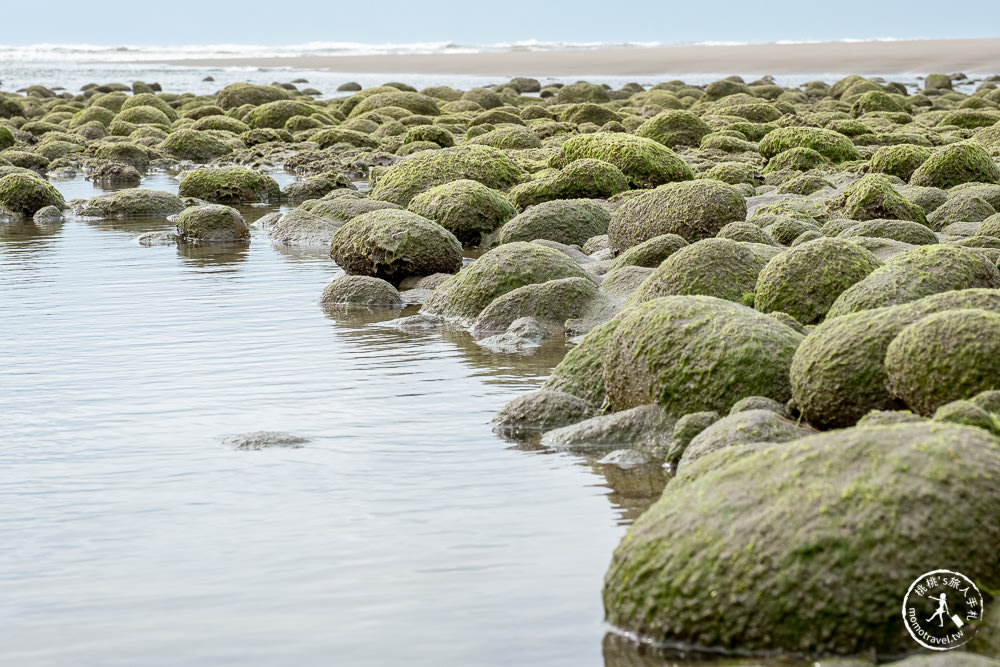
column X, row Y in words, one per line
column 403, row 531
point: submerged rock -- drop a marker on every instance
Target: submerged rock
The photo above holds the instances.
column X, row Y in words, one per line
column 264, row 440
column 361, row 291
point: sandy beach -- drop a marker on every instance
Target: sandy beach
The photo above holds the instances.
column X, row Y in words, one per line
column 972, row 56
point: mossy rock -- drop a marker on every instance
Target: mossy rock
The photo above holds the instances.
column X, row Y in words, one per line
column 150, row 100
column 962, row 162
column 142, row 115
column 265, row 136
column 314, row 187
column 905, row 231
column 194, row 145
column 582, row 91
column 503, row 269
column 107, row 172
column 964, row 207
column 872, row 197
column 696, row 353
column 795, row 159
column 582, row 179
column 212, row 223
column 237, row 94
column 509, row 137
column 224, row 123
column 484, row 98
column 412, row 102
column 579, row 373
column 944, row 357
column 401, row 182
column 967, row 413
column 275, row 114
column 124, row 152
column 28, row 193
column 827, row 143
column 393, row 245
column 714, row 267
column 687, row 429
column 569, row 221
column 838, row 374
column 339, row 135
column 916, row 273
column 805, row 184
column 874, row 100
column 746, row 232
column 551, row 303
column 438, row 135
column 364, row 291
column 693, row 210
column 649, row 254
column 644, row 162
column 970, row 119
column 804, row 281
column 588, row 112
column 137, row 202
column 468, row 209
column 674, row 128
column 229, row 185
column 735, row 173
column 345, row 207
column 6, row 137
column 727, row 143
column 724, row 88
column 743, row 427
column 767, row 527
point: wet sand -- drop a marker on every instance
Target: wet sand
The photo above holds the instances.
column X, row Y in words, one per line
column 972, row 56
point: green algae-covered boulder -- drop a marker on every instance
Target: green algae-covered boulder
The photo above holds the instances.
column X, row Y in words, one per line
column 904, row 231
column 194, row 145
column 364, row 291
column 693, row 210
column 961, row 207
column 569, row 221
column 674, row 128
column 873, row 197
column 511, row 137
column 963, row 162
column 968, row 413
column 229, row 185
column 580, row 371
column 137, row 202
column 581, row 179
column 838, row 374
column 6, row 137
column 644, row 162
column 340, row 135
column 916, row 273
column 827, row 143
column 124, row 152
column 747, row 232
column 649, row 254
column 741, row 550
column 393, row 244
column 804, row 281
column 275, row 114
column 899, row 160
column 796, row 159
column 588, row 112
column 412, row 102
column 503, row 269
column 721, row 268
column 696, row 353
column 468, row 209
column 947, row 356
column 874, row 100
column 224, row 123
column 212, row 223
column 403, row 181
column 141, row 115
column 299, row 227
column 741, row 428
column 435, row 133
column 237, row 94
column 582, row 91
column 551, row 303
column 27, row 193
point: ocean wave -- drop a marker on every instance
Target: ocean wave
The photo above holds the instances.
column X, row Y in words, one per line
column 80, row 53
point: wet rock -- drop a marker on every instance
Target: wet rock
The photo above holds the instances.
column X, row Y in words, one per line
column 580, row 373
column 873, row 197
column 392, row 245
column 960, row 209
column 569, row 221
column 264, row 440
column 760, row 403
column 686, row 429
column 114, row 173
column 314, row 187
column 229, row 185
column 187, row 144
column 581, row 179
column 900, row 160
column 27, row 193
column 551, row 303
column 360, row 291
column 644, row 162
column 523, row 333
column 674, row 128
column 963, row 162
column 212, row 223
column 299, row 227
column 645, row 426
column 821, row 507
column 466, row 208
column 48, row 214
column 659, row 351
column 651, row 253
column 693, row 210
column 135, row 202
column 904, row 231
column 744, row 427
column 540, row 411
column 968, row 413
column 827, row 143
column 807, row 279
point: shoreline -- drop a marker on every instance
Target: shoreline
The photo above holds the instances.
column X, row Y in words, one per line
column 971, row 56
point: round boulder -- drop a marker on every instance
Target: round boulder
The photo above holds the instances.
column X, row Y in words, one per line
column 569, row 221
column 27, row 193
column 212, row 223
column 468, row 209
column 229, row 185
column 361, row 291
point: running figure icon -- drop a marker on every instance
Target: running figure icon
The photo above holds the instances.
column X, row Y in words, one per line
column 941, row 611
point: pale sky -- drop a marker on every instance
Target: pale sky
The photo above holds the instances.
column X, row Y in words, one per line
column 270, row 22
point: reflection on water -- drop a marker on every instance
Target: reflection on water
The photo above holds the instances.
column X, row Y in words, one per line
column 403, row 530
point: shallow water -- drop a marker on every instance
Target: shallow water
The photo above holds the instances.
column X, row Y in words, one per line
column 403, row 530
